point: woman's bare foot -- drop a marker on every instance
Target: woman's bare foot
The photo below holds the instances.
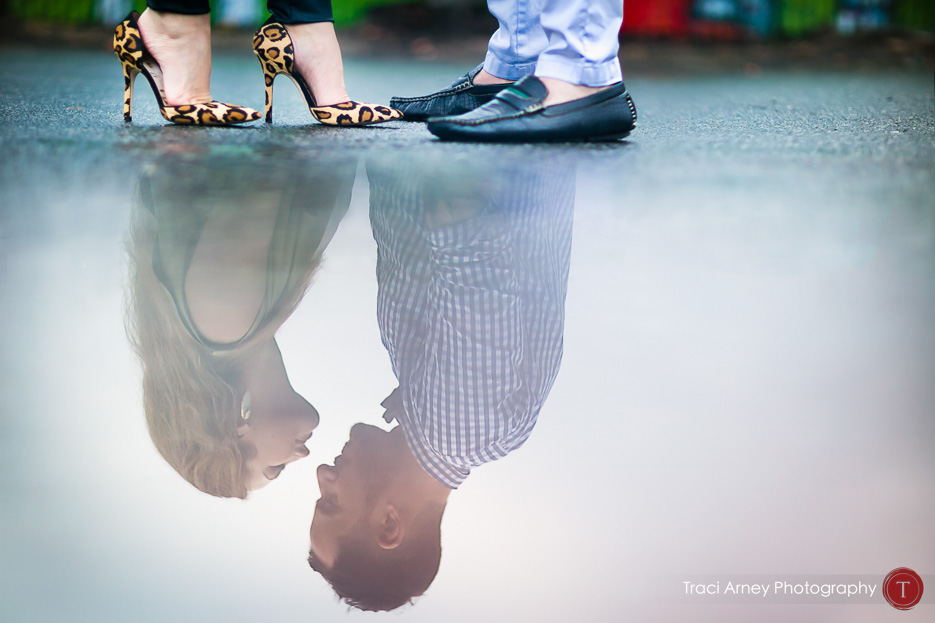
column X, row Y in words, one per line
column 318, row 60
column 181, row 44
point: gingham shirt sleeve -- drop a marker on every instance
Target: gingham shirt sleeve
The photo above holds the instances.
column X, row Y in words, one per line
column 472, row 316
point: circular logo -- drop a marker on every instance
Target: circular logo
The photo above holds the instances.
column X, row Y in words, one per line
column 902, row 588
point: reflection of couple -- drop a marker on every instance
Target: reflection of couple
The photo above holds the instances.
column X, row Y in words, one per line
column 551, row 72
column 471, row 311
column 470, row 307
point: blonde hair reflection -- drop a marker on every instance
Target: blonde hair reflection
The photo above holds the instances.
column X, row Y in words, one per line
column 190, row 397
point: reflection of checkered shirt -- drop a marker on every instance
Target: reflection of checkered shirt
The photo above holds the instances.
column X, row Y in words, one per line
column 472, row 315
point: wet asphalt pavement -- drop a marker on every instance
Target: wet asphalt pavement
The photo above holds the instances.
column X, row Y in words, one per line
column 825, row 137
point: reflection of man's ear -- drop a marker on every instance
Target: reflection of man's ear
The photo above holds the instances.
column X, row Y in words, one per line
column 242, row 428
column 390, row 531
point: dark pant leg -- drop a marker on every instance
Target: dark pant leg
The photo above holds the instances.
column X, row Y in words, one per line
column 300, row 11
column 186, row 7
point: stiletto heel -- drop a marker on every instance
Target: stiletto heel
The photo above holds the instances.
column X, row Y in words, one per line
column 276, row 53
column 129, row 48
column 129, row 75
column 268, row 79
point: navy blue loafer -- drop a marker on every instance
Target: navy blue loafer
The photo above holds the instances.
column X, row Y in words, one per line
column 517, row 115
column 461, row 97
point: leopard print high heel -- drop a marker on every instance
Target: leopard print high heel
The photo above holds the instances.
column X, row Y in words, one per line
column 129, row 48
column 273, row 47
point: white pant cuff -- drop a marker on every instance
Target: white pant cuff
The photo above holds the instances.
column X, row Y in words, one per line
column 577, row 72
column 496, row 67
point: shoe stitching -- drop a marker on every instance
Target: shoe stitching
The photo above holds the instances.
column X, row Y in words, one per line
column 577, row 109
column 531, row 110
column 424, row 98
column 522, row 113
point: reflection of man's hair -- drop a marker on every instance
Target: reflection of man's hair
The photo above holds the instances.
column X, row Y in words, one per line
column 369, row 577
column 189, row 395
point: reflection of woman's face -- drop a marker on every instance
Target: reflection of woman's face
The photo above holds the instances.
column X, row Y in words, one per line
column 280, row 421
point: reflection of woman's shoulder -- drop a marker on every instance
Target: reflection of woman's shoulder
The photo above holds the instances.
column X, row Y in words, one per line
column 235, row 248
column 244, row 274
column 224, row 288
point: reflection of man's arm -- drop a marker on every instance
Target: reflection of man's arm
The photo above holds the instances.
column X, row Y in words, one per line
column 472, row 375
column 403, row 275
column 441, row 212
column 489, row 313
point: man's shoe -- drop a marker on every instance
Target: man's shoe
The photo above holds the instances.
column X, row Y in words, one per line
column 461, row 97
column 517, row 115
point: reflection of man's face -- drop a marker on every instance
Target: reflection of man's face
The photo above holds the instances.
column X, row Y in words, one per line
column 349, row 487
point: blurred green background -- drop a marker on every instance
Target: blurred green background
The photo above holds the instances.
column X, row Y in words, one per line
column 246, row 13
column 759, row 18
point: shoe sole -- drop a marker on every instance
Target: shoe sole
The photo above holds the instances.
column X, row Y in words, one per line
column 607, row 137
column 598, row 138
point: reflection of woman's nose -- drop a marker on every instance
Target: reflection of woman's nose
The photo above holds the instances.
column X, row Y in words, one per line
column 326, row 473
column 301, row 451
column 309, row 413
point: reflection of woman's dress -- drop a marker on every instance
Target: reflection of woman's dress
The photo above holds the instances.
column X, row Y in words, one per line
column 472, row 314
column 307, row 217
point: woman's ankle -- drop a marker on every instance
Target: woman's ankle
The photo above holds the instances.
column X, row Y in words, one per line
column 318, row 60
column 175, row 25
column 181, row 44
